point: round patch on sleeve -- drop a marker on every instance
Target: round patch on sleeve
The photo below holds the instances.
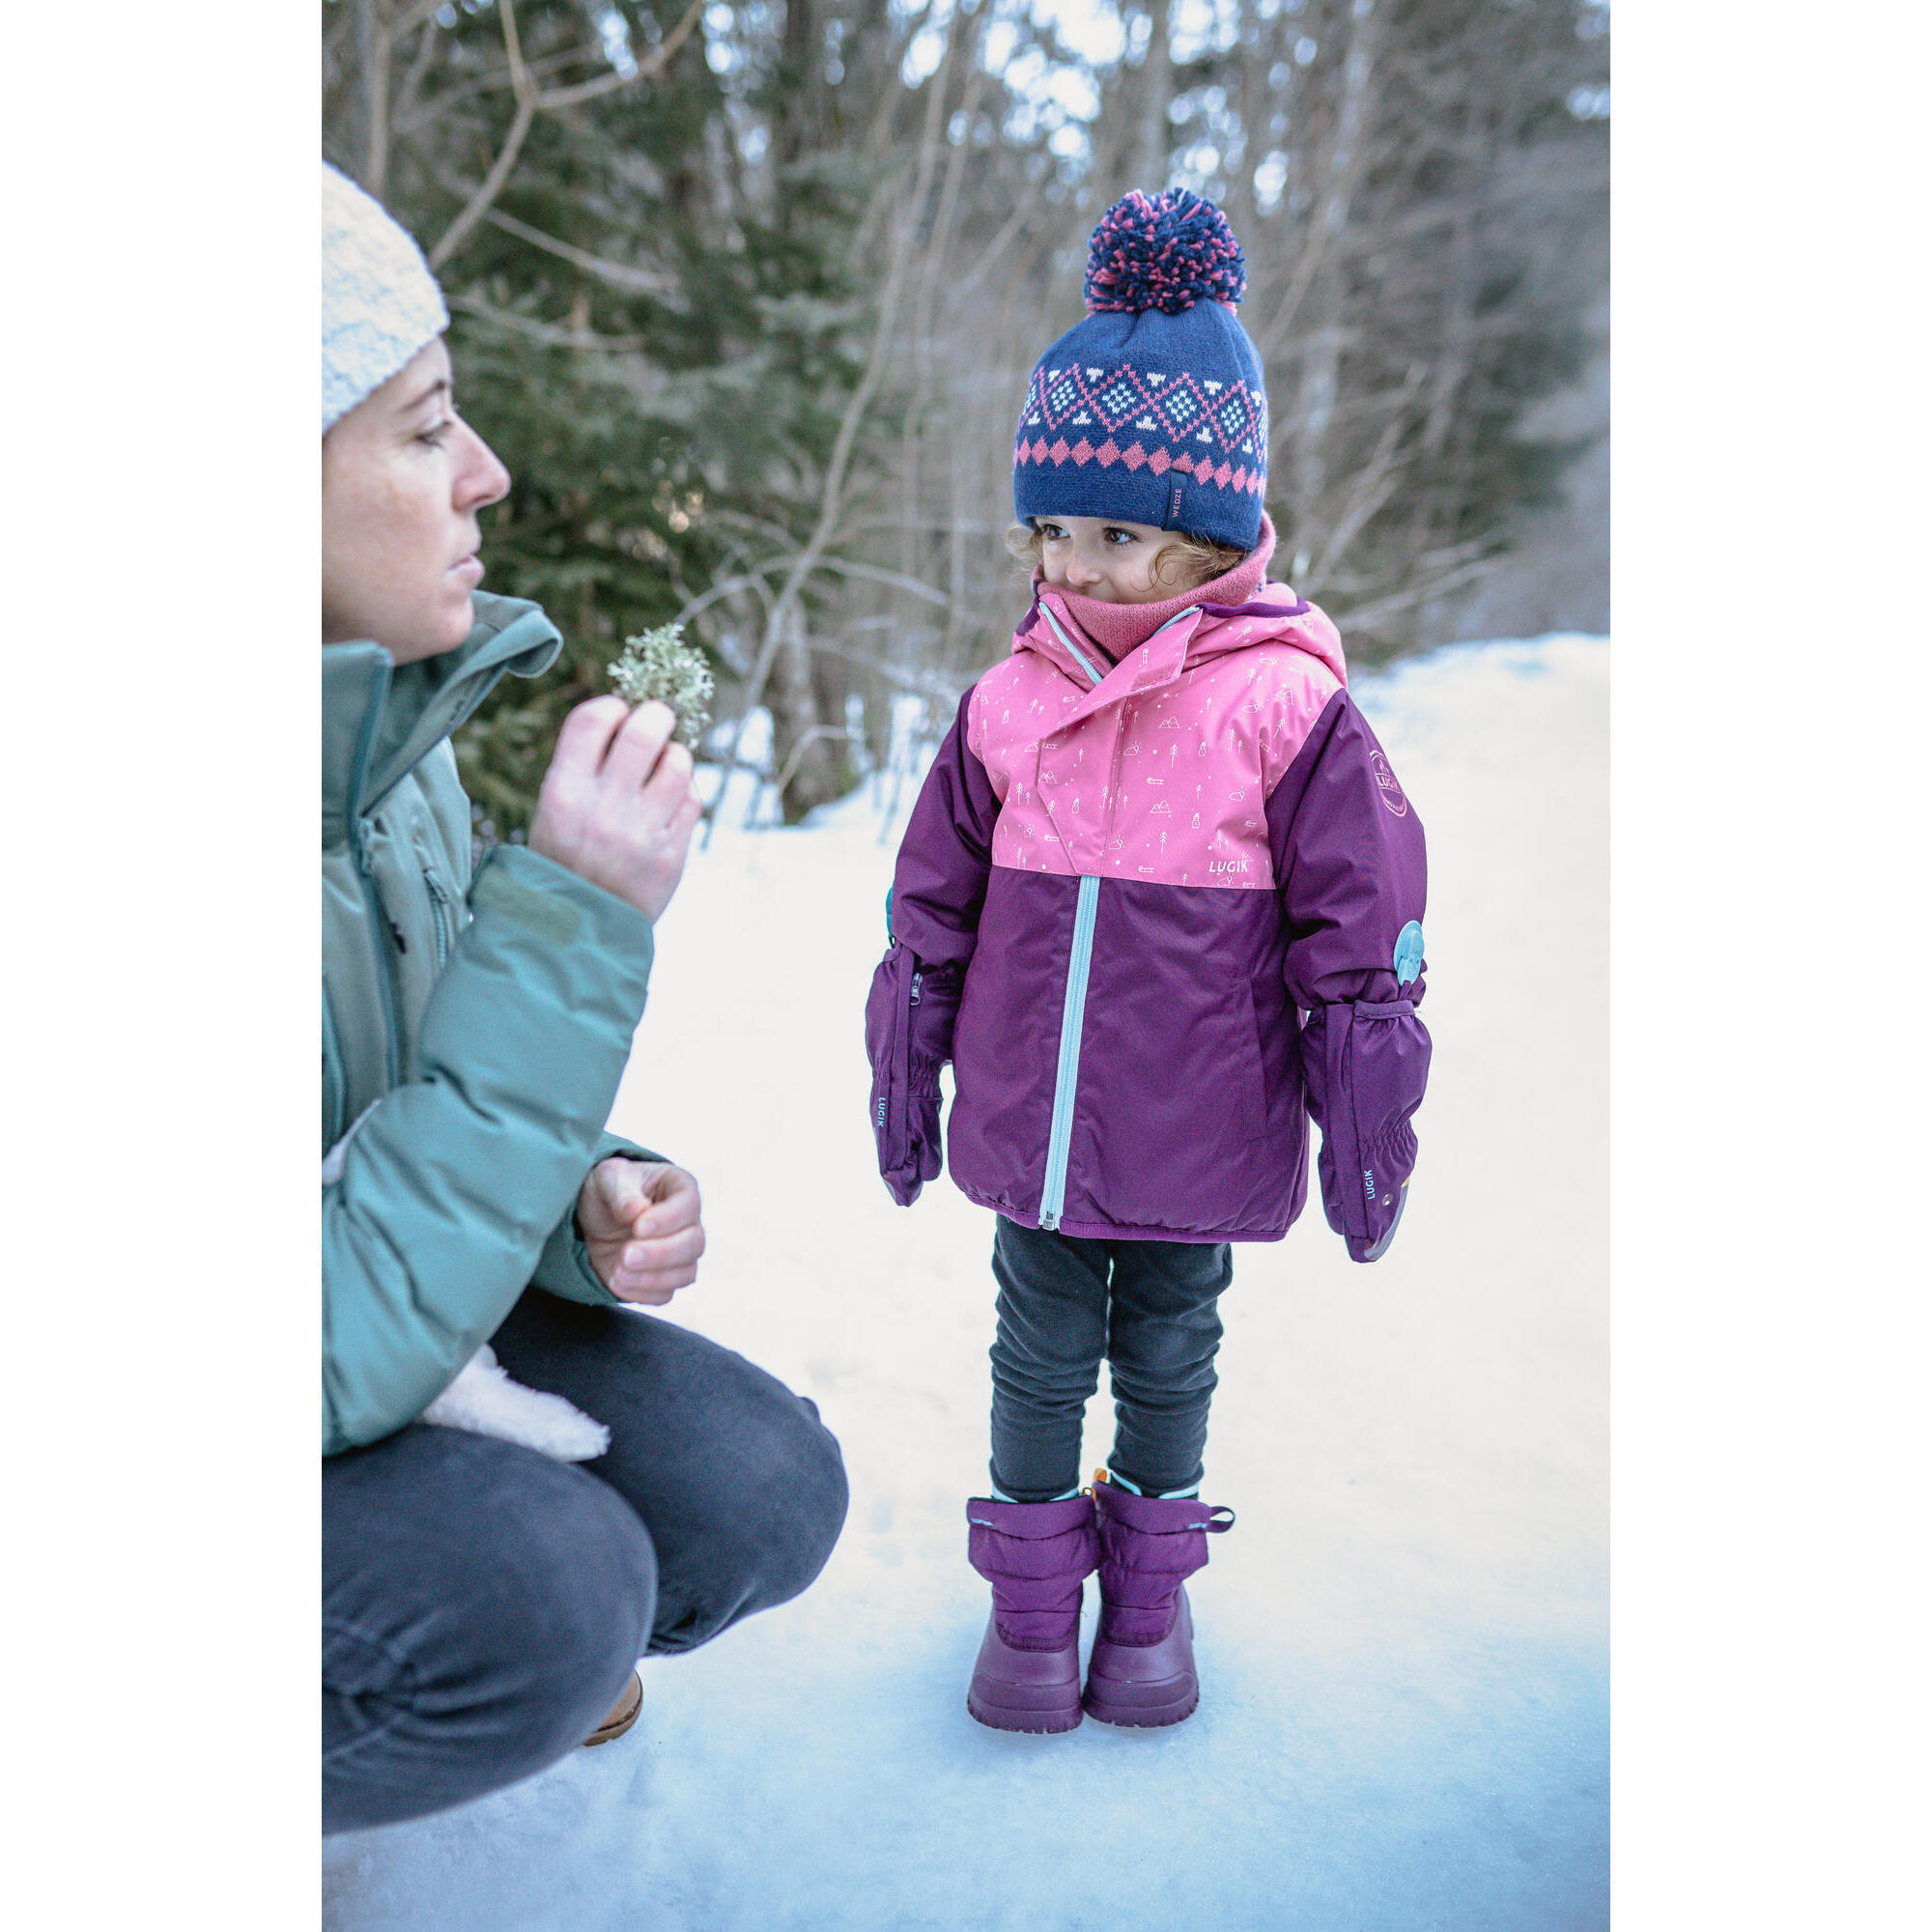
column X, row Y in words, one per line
column 1387, row 789
column 1408, row 952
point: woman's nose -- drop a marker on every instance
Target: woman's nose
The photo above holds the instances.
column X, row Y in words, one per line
column 481, row 480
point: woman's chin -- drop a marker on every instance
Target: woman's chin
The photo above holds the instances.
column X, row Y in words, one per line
column 458, row 620
column 435, row 638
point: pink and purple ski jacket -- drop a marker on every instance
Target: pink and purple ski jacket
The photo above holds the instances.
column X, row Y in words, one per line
column 1158, row 913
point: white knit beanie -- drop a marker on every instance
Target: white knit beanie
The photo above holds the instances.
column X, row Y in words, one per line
column 380, row 303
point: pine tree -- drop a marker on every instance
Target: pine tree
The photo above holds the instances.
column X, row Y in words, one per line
column 659, row 358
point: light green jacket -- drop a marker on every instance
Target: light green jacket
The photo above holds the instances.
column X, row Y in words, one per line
column 474, row 1033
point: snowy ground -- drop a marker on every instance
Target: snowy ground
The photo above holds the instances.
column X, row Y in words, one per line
column 1403, row 1642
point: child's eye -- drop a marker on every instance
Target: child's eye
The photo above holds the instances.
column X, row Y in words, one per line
column 1052, row 534
column 1125, row 537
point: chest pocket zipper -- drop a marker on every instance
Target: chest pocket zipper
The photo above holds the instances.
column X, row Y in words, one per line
column 442, row 920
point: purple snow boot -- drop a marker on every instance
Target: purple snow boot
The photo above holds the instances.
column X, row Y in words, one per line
column 1037, row 1556
column 1142, row 1669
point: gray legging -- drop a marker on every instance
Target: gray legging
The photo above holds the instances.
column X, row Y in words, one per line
column 1147, row 1308
column 482, row 1605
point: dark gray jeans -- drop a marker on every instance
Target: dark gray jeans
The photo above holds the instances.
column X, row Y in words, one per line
column 1148, row 1309
column 482, row 1605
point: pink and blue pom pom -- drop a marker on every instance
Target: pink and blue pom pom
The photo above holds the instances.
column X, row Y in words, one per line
column 1166, row 251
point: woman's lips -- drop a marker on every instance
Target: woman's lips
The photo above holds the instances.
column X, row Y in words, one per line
column 470, row 568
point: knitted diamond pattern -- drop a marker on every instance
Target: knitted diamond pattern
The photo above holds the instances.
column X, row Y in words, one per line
column 1216, row 431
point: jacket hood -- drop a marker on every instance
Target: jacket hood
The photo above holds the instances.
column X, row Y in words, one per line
column 1273, row 614
column 381, row 718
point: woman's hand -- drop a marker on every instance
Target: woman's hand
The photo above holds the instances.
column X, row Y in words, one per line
column 644, row 1225
column 616, row 807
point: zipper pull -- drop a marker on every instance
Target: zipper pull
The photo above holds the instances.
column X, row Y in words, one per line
column 918, row 981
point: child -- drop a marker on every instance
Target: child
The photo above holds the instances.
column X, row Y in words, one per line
column 1159, row 897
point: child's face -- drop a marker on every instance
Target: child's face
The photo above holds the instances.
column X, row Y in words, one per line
column 1098, row 557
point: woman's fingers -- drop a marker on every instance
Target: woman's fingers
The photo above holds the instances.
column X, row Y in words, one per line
column 619, row 1191
column 637, row 748
column 654, row 1285
column 585, row 740
column 616, row 805
column 654, row 1296
column 681, row 1249
column 674, row 1205
column 654, row 1270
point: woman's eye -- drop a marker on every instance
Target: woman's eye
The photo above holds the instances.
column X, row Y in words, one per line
column 436, row 434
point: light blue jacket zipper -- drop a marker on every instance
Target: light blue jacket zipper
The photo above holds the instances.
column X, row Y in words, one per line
column 1072, row 1019
column 1073, row 1013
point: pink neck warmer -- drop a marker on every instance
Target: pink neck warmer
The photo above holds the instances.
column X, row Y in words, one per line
column 1117, row 628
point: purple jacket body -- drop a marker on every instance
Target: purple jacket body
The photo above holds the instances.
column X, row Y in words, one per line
column 1157, row 914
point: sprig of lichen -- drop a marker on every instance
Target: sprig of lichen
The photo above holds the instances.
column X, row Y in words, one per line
column 657, row 664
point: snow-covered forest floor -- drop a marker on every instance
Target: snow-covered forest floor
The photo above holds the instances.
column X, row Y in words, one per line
column 1404, row 1719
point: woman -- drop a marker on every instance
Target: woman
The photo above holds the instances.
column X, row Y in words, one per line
column 484, row 1604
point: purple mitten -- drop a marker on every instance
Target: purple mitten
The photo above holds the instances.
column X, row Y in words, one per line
column 1366, row 1064
column 909, row 1018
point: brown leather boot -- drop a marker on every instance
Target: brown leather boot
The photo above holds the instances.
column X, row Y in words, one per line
column 623, row 1713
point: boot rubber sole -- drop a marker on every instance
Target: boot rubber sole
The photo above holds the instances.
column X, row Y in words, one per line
column 1119, row 1707
column 1041, row 1722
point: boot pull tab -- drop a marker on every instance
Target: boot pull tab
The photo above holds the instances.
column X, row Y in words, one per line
column 1222, row 1518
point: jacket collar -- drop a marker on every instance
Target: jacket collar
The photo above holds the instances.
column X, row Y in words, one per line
column 1199, row 633
column 381, row 718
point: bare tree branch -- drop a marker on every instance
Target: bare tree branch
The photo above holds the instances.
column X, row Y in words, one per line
column 855, row 406
column 414, row 16
column 547, row 332
column 1428, row 583
column 492, row 183
column 373, row 41
column 530, row 104
column 401, row 111
column 495, row 80
column 620, row 274
column 1374, row 486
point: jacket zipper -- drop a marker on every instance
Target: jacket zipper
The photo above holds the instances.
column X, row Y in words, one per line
column 1073, row 1014
column 383, row 941
column 1072, row 1020
column 334, row 1071
column 440, row 901
column 376, row 918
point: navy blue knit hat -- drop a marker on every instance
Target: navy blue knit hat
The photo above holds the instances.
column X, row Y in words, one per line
column 1152, row 410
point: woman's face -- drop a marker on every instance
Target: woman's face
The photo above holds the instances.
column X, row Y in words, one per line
column 402, row 477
